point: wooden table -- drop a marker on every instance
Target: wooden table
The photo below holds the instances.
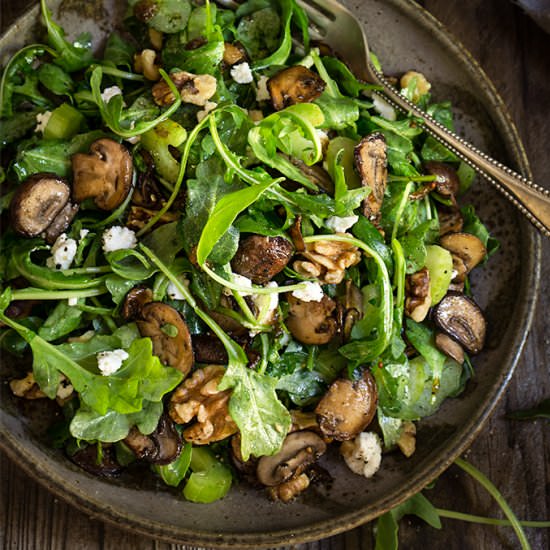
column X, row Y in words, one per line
column 516, row 456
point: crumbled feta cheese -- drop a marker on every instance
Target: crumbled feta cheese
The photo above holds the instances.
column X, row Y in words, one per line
column 381, row 106
column 133, row 140
column 208, row 106
column 173, row 292
column 363, row 455
column 63, row 252
column 341, row 224
column 118, row 238
column 262, row 93
column 311, row 293
column 241, row 73
column 240, row 280
column 266, row 304
column 83, row 233
column 109, row 362
column 108, row 93
column 72, row 301
column 42, row 120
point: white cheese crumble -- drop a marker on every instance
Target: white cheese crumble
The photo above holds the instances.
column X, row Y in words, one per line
column 63, row 252
column 340, row 224
column 311, row 293
column 239, row 280
column 173, row 292
column 262, row 93
column 241, row 73
column 118, row 238
column 109, row 362
column 108, row 93
column 208, row 106
column 83, row 233
column 133, row 140
column 363, row 455
column 266, row 304
column 381, row 106
column 42, row 120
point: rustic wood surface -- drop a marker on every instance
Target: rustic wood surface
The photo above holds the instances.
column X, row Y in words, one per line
column 516, row 456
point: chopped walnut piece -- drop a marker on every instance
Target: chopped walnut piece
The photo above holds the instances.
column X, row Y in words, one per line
column 144, row 62
column 195, row 89
column 418, row 300
column 327, row 260
column 289, row 489
column 28, row 388
column 199, row 397
column 407, row 439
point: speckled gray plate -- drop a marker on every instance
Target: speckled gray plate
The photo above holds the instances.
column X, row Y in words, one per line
column 404, row 36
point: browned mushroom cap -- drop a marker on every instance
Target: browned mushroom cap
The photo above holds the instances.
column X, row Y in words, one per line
column 371, row 163
column 260, row 258
column 316, row 174
column 209, row 349
column 449, row 347
column 447, row 182
column 294, row 85
column 462, row 319
column 233, row 52
column 312, row 322
column 41, row 206
column 134, row 302
column 450, row 221
column 348, row 407
column 466, row 246
column 169, row 333
column 299, row 450
column 87, row 459
column 104, row 175
column 160, row 447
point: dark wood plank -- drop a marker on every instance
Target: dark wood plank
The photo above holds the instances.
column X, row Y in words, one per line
column 516, row 456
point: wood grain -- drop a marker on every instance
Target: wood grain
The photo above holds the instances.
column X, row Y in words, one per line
column 516, row 456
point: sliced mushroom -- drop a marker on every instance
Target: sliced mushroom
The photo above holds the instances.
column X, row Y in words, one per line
column 233, row 53
column 371, row 163
column 169, row 333
column 261, row 258
column 312, row 322
column 465, row 246
column 450, row 221
column 299, row 450
column 447, row 182
column 288, row 490
column 87, row 459
column 293, row 85
column 104, row 175
column 348, row 407
column 134, row 301
column 462, row 319
column 449, row 347
column 315, row 173
column 41, row 207
column 160, row 447
column 247, row 469
column 209, row 349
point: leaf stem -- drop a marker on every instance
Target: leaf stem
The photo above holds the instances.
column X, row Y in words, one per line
column 451, row 514
column 31, row 293
column 495, row 493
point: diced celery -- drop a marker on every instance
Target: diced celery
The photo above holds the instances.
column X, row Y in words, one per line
column 440, row 265
column 65, row 122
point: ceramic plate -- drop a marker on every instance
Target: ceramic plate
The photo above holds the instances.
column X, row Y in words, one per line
column 404, row 37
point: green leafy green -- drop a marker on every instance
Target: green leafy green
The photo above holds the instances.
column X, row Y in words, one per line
column 63, row 320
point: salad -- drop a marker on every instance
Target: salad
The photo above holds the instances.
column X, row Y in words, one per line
column 222, row 253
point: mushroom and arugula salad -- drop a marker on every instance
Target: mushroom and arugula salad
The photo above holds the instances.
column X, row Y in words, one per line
column 224, row 253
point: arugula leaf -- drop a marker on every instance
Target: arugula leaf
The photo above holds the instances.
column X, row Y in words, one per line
column 71, row 57
column 118, row 52
column 262, row 419
column 16, row 126
column 61, row 321
column 259, row 32
column 169, row 16
column 224, row 214
column 55, row 79
column 414, row 244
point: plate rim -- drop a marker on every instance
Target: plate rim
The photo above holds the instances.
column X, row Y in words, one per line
column 515, row 150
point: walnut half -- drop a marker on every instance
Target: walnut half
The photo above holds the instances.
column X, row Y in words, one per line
column 418, row 300
column 198, row 397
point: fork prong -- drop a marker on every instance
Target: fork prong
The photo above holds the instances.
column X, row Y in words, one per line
column 315, row 16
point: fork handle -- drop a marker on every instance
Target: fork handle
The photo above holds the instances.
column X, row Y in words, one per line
column 532, row 200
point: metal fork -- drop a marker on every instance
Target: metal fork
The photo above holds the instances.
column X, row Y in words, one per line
column 333, row 24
